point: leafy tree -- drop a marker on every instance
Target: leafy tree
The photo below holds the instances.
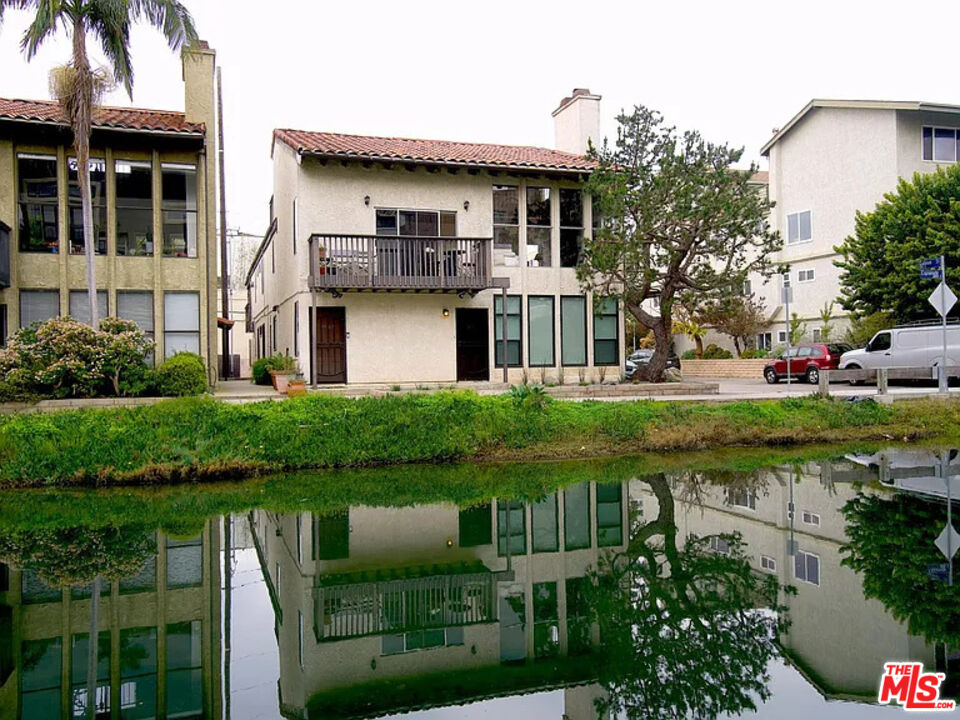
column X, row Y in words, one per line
column 891, row 543
column 78, row 87
column 740, row 317
column 676, row 218
column 880, row 267
column 826, row 321
column 798, row 329
column 681, row 628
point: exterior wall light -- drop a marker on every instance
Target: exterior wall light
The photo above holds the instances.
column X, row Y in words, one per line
column 366, row 200
column 446, row 312
column 466, row 205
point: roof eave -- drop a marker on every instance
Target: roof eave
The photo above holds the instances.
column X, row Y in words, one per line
column 503, row 167
column 111, row 128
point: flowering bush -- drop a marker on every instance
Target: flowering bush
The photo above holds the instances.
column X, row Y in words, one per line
column 65, row 358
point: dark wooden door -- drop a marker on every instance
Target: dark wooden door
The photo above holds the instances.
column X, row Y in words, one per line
column 473, row 349
column 331, row 345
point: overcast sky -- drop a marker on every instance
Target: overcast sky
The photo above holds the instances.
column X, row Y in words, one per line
column 493, row 71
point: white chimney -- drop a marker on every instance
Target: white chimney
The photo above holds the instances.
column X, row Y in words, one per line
column 577, row 121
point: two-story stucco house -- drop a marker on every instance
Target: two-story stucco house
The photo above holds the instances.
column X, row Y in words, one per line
column 397, row 260
column 153, row 180
column 830, row 160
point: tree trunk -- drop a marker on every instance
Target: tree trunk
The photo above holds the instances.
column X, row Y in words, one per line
column 93, row 650
column 698, row 342
column 658, row 363
column 81, row 124
column 736, row 346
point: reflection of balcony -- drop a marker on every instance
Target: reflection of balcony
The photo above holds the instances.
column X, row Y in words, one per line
column 358, row 605
column 340, row 263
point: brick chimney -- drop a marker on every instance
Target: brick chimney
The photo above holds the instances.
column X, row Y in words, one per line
column 576, row 121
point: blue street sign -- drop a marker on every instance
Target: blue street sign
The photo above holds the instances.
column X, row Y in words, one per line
column 930, row 269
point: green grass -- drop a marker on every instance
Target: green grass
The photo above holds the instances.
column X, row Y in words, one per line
column 202, row 439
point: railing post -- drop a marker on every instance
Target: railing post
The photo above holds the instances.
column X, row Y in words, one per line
column 313, row 261
column 881, row 381
column 823, row 385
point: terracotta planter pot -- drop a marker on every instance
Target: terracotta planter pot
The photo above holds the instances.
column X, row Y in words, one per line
column 296, row 387
column 280, row 380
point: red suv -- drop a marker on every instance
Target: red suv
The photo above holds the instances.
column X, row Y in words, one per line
column 806, row 361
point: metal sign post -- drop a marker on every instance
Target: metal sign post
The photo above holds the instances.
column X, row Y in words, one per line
column 948, row 541
column 943, row 300
column 787, row 296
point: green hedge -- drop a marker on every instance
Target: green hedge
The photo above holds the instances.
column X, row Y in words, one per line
column 181, row 375
column 200, row 437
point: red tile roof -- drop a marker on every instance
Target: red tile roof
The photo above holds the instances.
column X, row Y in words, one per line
column 441, row 152
column 761, row 176
column 47, row 111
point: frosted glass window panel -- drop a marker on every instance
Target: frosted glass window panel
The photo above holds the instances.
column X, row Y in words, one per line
column 573, row 330
column 38, row 306
column 541, row 340
column 80, row 305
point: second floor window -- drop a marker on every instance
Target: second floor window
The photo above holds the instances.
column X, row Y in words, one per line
column 37, row 203
column 539, row 227
column 416, row 223
column 98, row 201
column 940, row 144
column 179, row 210
column 571, row 226
column 799, row 227
column 506, row 219
column 134, row 183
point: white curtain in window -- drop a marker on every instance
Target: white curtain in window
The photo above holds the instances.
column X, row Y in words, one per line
column 38, row 306
column 80, row 305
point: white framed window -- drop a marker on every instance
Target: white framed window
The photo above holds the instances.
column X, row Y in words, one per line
column 799, row 227
column 719, row 545
column 764, row 341
column 940, row 144
column 806, row 567
column 817, row 334
column 742, row 498
column 782, row 336
column 810, row 518
column 747, row 288
column 181, row 323
column 806, row 275
column 768, row 563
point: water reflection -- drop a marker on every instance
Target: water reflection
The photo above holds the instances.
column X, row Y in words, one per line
column 667, row 595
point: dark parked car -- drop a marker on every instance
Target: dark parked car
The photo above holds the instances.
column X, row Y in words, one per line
column 806, row 361
column 639, row 359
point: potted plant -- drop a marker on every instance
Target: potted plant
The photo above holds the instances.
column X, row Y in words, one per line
column 286, row 367
column 297, row 385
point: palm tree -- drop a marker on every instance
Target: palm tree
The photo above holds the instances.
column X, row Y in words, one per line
column 78, row 87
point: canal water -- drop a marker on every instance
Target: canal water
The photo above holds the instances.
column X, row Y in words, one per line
column 745, row 586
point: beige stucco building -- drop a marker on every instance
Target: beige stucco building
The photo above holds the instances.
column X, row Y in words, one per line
column 387, row 259
column 153, row 180
column 392, row 596
column 159, row 639
column 832, row 159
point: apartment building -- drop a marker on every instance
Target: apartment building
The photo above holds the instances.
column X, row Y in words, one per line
column 830, row 160
column 390, row 595
column 399, row 260
column 159, row 639
column 153, row 186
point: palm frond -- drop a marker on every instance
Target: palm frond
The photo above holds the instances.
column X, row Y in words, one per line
column 44, row 24
column 168, row 16
column 14, row 5
column 109, row 21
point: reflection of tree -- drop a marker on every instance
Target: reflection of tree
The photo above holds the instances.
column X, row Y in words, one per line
column 71, row 557
column 684, row 630
column 891, row 543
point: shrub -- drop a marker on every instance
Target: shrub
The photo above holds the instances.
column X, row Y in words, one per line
column 752, row 354
column 65, row 358
column 182, row 374
column 690, row 354
column 715, row 352
column 262, row 367
column 528, row 396
column 862, row 329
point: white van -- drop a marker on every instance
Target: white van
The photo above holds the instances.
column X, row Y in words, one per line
column 905, row 347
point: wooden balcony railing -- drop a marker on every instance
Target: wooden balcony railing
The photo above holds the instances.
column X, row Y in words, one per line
column 372, row 262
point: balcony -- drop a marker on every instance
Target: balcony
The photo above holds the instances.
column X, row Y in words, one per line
column 342, row 263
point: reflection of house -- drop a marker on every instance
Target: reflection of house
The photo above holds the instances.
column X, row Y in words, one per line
column 159, row 639
column 839, row 639
column 152, row 177
column 375, row 596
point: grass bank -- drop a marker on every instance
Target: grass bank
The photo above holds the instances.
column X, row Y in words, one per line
column 202, row 439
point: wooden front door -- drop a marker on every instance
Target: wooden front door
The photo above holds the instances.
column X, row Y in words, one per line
column 473, row 349
column 331, row 345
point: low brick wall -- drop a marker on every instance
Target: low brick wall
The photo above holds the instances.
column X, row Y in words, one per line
column 752, row 368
